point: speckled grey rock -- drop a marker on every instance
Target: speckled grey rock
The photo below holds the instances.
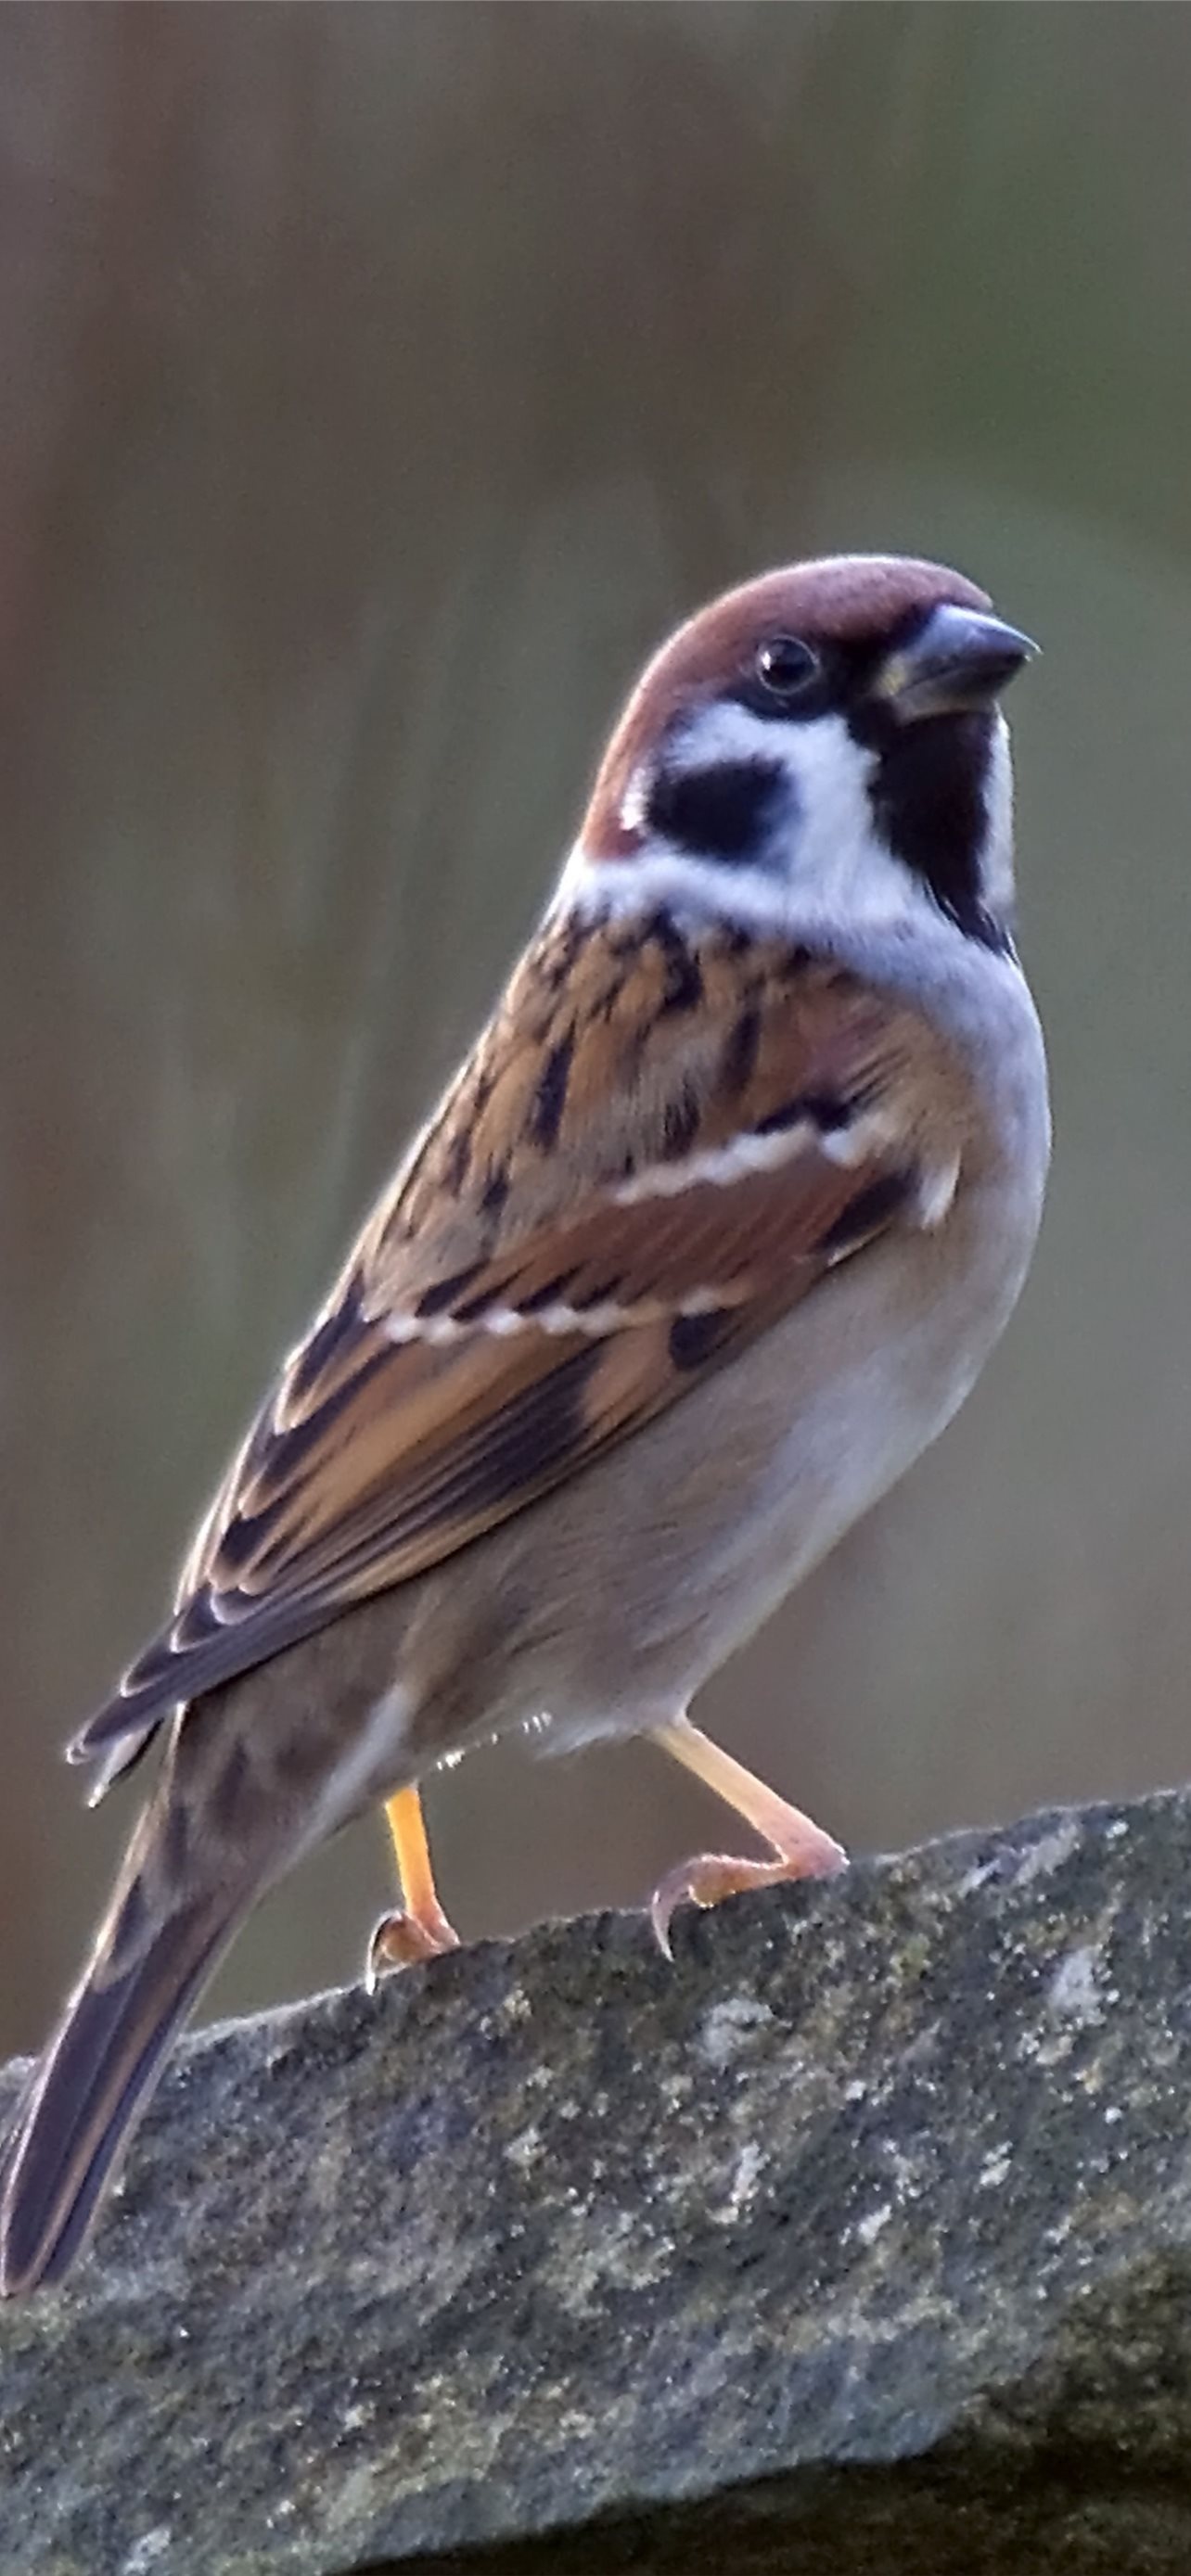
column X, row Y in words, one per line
column 858, row 2240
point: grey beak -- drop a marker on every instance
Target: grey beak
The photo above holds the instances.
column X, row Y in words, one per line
column 959, row 659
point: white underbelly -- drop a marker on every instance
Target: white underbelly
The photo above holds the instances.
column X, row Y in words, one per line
column 676, row 1548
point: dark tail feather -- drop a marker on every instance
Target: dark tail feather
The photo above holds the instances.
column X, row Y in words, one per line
column 95, row 2078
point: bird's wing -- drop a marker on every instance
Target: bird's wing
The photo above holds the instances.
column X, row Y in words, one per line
column 658, row 1146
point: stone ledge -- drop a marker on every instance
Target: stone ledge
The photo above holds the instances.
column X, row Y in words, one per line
column 859, row 2240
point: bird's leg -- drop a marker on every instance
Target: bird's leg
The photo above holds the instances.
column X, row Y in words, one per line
column 801, row 1848
column 417, row 1928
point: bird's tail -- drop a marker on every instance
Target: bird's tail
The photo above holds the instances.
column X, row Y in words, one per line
column 149, row 1962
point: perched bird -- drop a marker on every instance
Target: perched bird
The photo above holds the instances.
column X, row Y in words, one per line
column 710, row 1235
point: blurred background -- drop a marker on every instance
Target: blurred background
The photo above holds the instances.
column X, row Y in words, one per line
column 379, row 383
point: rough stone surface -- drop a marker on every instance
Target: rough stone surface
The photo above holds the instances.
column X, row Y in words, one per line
column 858, row 2240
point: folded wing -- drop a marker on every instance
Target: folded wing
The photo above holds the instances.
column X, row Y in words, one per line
column 653, row 1151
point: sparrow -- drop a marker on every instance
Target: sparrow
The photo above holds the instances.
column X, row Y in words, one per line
column 710, row 1235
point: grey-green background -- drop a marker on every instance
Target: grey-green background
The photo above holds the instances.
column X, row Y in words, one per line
column 379, row 382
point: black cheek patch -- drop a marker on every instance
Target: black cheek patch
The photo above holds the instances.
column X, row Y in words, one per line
column 725, row 811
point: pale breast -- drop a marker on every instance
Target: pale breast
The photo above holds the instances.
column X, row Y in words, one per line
column 637, row 1582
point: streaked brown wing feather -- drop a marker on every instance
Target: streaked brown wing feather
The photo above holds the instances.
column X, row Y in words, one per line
column 487, row 1342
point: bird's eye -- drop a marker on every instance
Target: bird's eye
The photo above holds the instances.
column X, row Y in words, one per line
column 786, row 667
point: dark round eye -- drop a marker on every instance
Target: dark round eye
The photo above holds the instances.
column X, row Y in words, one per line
column 786, row 666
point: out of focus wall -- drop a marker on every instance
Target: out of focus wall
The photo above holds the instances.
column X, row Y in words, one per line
column 378, row 384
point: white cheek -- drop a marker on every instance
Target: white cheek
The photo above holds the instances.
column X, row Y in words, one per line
column 728, row 731
column 835, row 855
column 824, row 862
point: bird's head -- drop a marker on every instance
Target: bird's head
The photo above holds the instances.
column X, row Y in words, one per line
column 825, row 741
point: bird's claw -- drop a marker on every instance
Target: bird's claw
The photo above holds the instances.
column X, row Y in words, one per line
column 711, row 1876
column 403, row 1940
